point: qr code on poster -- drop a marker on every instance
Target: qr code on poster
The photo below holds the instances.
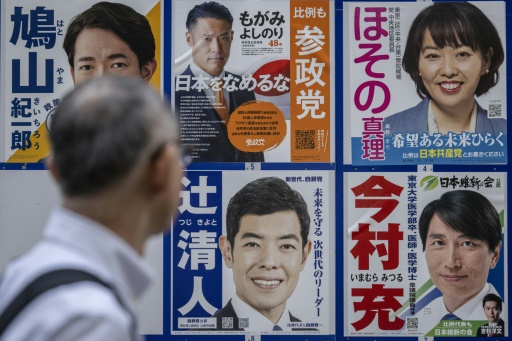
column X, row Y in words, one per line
column 305, row 139
column 227, row 323
column 243, row 322
column 412, row 323
column 495, row 109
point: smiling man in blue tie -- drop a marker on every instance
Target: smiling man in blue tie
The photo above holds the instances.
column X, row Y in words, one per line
column 461, row 237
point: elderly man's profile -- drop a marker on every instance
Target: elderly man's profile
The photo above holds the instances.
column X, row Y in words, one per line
column 117, row 162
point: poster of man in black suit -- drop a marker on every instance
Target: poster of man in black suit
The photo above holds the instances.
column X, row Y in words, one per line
column 203, row 127
column 492, row 305
column 266, row 246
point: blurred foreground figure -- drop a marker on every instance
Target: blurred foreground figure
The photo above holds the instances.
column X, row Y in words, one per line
column 118, row 166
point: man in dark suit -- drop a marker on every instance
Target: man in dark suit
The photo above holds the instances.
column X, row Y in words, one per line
column 203, row 119
column 492, row 305
column 266, row 245
column 229, row 312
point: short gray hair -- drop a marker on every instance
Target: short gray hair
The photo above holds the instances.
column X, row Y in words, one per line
column 104, row 129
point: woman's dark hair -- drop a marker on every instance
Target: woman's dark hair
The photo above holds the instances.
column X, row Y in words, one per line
column 466, row 212
column 454, row 24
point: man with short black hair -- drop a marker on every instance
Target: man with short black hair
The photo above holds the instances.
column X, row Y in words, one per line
column 209, row 35
column 266, row 246
column 461, row 237
column 110, row 38
column 493, row 306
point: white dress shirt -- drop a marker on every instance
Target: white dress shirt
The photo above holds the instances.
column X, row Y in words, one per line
column 472, row 310
column 257, row 322
column 432, row 124
column 83, row 310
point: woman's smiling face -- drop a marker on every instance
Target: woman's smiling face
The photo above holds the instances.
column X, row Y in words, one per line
column 450, row 74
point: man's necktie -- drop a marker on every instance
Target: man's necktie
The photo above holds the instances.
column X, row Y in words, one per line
column 450, row 316
column 277, row 328
column 221, row 106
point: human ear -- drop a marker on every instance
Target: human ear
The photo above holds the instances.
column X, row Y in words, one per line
column 188, row 37
column 495, row 256
column 161, row 166
column 72, row 71
column 226, row 251
column 50, row 164
column 148, row 70
column 305, row 253
column 487, row 60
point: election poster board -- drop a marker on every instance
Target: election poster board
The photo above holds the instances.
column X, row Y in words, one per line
column 277, row 79
column 377, row 91
column 202, row 283
column 35, row 72
column 390, row 285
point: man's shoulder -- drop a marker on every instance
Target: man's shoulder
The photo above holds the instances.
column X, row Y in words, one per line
column 234, row 75
column 227, row 318
column 226, row 311
column 300, row 328
column 187, row 71
column 71, row 309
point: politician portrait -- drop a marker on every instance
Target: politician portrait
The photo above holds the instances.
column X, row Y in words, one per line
column 461, row 236
column 266, row 246
column 206, row 93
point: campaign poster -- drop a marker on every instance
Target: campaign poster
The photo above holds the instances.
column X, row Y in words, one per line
column 425, row 83
column 244, row 289
column 425, row 252
column 35, row 72
column 261, row 90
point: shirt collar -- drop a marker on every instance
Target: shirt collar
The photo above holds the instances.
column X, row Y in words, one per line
column 432, row 125
column 258, row 322
column 472, row 308
column 196, row 70
column 117, row 261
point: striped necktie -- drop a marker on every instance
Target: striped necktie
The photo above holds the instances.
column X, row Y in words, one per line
column 450, row 317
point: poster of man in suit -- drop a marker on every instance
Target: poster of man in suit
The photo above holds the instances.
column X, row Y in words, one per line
column 236, row 67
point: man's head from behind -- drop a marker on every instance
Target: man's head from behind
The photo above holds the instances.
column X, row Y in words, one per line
column 115, row 135
column 461, row 237
column 492, row 305
column 209, row 35
column 110, row 38
column 267, row 244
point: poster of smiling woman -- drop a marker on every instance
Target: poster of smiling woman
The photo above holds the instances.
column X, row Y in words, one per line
column 427, row 83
